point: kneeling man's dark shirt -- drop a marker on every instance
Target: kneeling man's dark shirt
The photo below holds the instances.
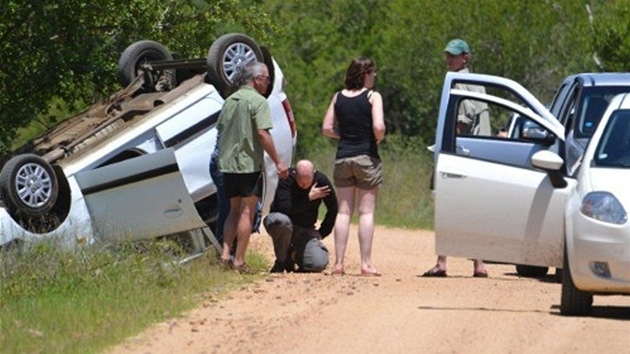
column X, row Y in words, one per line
column 293, row 201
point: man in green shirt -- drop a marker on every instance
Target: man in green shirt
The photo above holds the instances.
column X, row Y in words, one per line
column 244, row 125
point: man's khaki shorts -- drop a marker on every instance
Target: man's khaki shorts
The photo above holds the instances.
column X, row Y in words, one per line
column 363, row 172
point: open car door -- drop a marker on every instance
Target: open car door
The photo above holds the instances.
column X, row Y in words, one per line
column 491, row 203
column 139, row 198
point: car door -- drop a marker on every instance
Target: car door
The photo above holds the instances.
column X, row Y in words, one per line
column 491, row 203
column 139, row 198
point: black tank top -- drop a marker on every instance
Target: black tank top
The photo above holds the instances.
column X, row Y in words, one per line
column 354, row 117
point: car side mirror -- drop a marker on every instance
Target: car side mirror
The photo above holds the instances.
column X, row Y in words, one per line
column 551, row 163
column 533, row 132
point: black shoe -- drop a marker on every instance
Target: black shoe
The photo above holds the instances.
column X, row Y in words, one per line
column 278, row 267
column 289, row 266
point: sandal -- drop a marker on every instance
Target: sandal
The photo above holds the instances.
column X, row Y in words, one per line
column 242, row 269
column 225, row 263
column 483, row 274
column 434, row 273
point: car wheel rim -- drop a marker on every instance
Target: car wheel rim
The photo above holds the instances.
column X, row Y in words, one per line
column 33, row 185
column 236, row 56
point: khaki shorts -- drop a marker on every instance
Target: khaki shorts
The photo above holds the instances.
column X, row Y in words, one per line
column 363, row 172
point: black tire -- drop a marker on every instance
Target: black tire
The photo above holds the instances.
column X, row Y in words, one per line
column 139, row 53
column 573, row 302
column 268, row 60
column 531, row 271
column 557, row 277
column 28, row 185
column 227, row 55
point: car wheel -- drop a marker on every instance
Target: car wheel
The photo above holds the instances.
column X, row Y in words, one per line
column 268, row 60
column 558, row 276
column 28, row 185
column 227, row 55
column 531, row 271
column 573, row 302
column 141, row 52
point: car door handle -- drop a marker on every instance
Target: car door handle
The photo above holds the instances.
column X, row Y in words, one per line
column 461, row 150
column 452, row 174
column 173, row 212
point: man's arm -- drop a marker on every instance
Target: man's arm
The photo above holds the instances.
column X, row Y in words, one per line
column 267, row 143
column 332, row 207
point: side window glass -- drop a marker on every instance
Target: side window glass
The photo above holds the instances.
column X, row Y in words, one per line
column 592, row 111
column 473, row 118
column 477, row 118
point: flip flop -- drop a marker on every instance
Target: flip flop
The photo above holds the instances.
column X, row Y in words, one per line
column 480, row 274
column 435, row 273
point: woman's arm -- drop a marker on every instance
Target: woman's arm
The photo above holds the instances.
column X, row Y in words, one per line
column 378, row 119
column 328, row 126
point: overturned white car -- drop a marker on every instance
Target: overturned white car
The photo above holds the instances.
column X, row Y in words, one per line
column 137, row 165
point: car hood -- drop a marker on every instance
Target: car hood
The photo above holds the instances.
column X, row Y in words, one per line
column 612, row 180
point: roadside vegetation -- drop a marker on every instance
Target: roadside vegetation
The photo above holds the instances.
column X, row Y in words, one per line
column 54, row 301
column 60, row 56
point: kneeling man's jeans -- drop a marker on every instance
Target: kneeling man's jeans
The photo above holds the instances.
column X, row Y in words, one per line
column 311, row 254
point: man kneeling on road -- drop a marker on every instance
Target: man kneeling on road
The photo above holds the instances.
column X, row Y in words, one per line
column 292, row 218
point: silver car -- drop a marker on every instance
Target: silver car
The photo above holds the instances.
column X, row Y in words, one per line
column 137, row 165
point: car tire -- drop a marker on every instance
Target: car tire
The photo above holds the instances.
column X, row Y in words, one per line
column 139, row 53
column 527, row 271
column 573, row 302
column 227, row 55
column 28, row 185
column 558, row 276
column 268, row 60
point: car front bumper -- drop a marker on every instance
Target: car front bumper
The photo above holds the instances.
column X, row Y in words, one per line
column 599, row 255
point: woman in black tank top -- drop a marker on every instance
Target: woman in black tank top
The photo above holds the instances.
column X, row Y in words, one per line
column 355, row 118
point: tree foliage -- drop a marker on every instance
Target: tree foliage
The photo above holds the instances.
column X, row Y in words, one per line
column 536, row 43
column 611, row 33
column 66, row 51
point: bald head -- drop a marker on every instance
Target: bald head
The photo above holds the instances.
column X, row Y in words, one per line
column 305, row 172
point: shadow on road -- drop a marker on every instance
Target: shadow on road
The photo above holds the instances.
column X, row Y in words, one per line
column 604, row 312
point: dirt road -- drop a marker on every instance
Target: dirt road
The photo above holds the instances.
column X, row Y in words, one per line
column 396, row 313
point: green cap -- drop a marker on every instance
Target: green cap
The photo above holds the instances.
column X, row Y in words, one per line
column 457, row 47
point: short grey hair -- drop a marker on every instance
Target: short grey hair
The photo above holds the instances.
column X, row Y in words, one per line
column 249, row 72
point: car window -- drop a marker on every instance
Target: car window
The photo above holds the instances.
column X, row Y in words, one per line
column 613, row 149
column 593, row 104
column 591, row 113
column 503, row 121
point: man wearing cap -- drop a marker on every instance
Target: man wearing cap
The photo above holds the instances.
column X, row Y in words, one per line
column 472, row 119
column 473, row 116
column 292, row 218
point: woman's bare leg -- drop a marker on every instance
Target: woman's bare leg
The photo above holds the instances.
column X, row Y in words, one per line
column 345, row 197
column 367, row 204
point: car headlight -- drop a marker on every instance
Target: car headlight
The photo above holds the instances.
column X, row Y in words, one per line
column 603, row 206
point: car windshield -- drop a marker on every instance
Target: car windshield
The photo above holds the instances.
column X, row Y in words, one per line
column 594, row 102
column 614, row 146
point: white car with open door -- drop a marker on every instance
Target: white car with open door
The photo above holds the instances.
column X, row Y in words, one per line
column 507, row 199
column 136, row 165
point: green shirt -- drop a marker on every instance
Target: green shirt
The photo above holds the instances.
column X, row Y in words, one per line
column 243, row 114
